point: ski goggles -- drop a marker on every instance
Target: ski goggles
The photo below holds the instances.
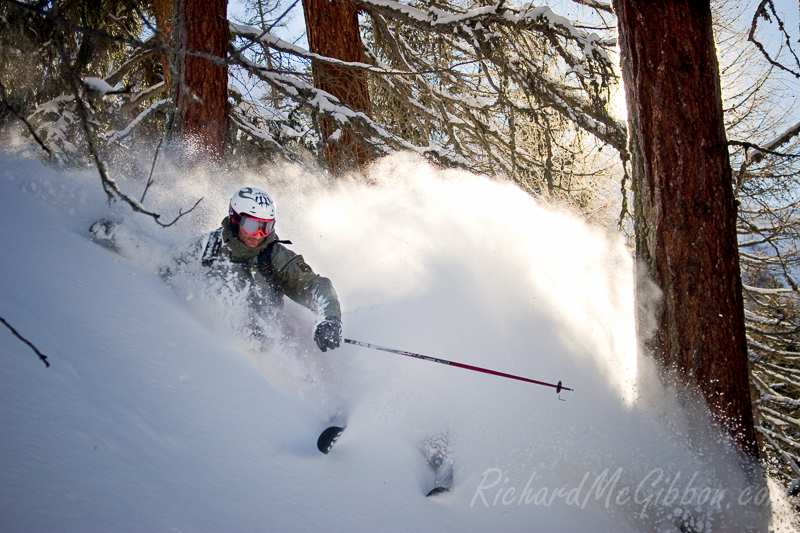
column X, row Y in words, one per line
column 254, row 226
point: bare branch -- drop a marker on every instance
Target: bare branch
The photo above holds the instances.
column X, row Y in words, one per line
column 110, row 186
column 752, row 146
column 181, row 214
column 152, row 168
column 761, row 12
column 16, row 113
column 596, row 4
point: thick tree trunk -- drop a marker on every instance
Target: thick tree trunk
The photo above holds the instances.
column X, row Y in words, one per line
column 684, row 205
column 332, row 28
column 201, row 93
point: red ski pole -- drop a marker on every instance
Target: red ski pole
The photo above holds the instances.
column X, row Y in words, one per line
column 559, row 387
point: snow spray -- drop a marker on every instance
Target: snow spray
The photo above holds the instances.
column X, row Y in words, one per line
column 455, row 265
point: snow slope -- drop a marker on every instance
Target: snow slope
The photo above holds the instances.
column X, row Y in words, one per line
column 159, row 413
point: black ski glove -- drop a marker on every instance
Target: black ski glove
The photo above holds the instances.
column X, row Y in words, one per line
column 328, row 334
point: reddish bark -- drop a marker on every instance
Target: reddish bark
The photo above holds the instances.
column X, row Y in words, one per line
column 332, row 28
column 684, row 205
column 201, row 26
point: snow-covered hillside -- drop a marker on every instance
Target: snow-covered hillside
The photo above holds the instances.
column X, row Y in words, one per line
column 160, row 413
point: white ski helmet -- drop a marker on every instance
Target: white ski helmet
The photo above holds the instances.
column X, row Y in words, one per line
column 253, row 211
column 253, row 202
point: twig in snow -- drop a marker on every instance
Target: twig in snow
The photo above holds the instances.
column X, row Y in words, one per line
column 26, row 341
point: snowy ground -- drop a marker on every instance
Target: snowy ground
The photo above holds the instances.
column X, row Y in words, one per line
column 159, row 414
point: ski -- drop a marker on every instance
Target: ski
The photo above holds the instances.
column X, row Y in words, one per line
column 328, row 438
column 444, row 480
column 435, row 450
column 102, row 232
column 437, row 490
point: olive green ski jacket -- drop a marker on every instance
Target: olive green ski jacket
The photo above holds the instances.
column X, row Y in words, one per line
column 269, row 271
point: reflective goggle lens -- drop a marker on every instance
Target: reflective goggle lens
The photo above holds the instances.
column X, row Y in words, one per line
column 252, row 226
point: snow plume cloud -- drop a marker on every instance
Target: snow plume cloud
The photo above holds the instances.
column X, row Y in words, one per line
column 457, row 267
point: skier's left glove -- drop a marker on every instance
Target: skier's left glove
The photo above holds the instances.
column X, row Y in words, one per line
column 328, row 334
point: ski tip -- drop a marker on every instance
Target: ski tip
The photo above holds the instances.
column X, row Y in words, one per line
column 328, row 438
column 437, row 490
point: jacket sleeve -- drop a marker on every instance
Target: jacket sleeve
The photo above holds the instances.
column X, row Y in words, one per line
column 301, row 284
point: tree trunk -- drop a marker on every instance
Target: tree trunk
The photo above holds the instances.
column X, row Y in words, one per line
column 201, row 92
column 163, row 13
column 684, row 205
column 332, row 28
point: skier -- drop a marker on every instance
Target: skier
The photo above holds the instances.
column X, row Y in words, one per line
column 247, row 246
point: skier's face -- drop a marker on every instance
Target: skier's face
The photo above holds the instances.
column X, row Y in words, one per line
column 251, row 241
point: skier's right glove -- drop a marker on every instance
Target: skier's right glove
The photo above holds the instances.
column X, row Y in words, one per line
column 328, row 334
